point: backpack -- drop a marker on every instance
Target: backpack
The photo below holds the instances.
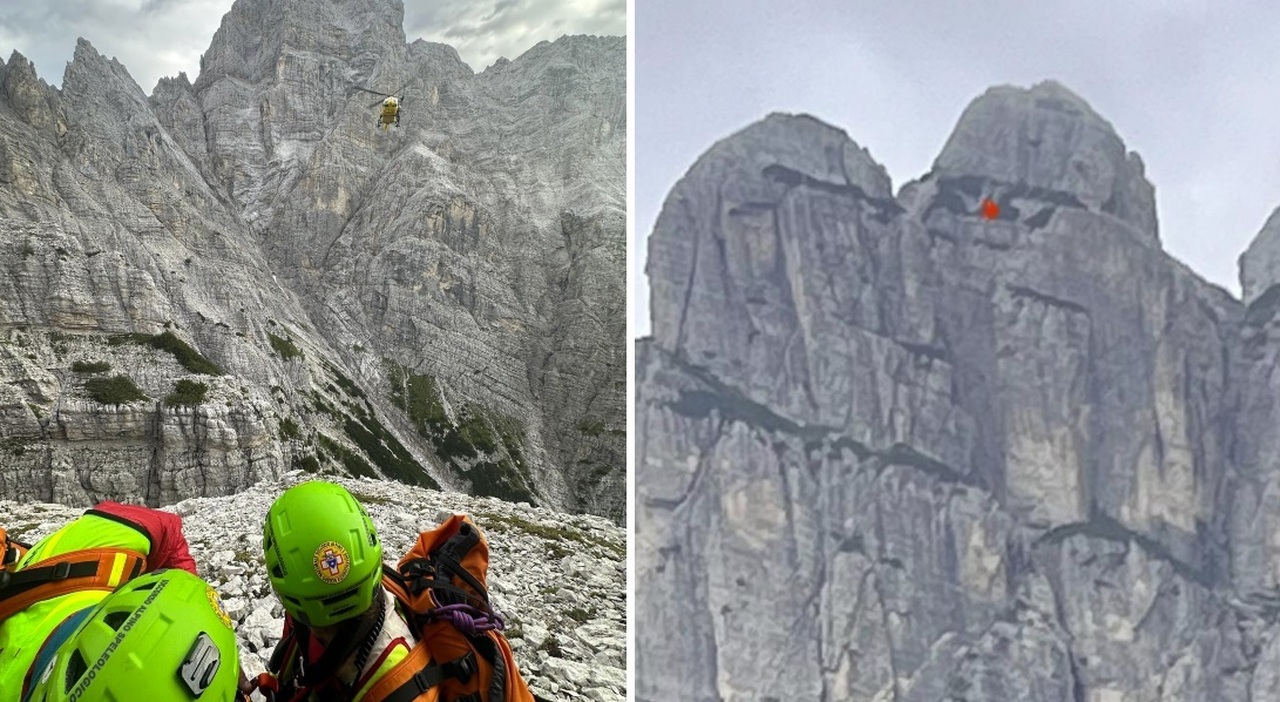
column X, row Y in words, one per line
column 102, row 568
column 440, row 590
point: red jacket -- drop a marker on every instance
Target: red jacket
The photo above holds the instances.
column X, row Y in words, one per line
column 163, row 529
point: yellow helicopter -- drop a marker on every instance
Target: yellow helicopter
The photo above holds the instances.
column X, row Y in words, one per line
column 390, row 112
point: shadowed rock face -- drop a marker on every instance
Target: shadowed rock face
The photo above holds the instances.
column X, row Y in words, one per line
column 440, row 303
column 888, row 449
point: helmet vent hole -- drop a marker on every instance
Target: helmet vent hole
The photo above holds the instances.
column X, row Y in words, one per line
column 75, row 668
column 276, row 571
column 145, row 586
column 341, row 610
column 115, row 619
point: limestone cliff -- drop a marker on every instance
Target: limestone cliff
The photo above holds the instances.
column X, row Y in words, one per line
column 232, row 277
column 889, row 449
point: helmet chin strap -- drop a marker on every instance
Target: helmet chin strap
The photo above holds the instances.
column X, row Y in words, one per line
column 359, row 631
column 362, row 656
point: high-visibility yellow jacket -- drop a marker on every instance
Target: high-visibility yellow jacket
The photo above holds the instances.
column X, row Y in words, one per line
column 155, row 534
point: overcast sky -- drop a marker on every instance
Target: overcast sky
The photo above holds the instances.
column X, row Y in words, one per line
column 1190, row 86
column 155, row 38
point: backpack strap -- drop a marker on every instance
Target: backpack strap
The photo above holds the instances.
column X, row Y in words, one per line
column 86, row 569
column 11, row 550
column 417, row 674
column 451, row 554
column 437, row 571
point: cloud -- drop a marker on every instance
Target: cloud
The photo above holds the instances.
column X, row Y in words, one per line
column 155, row 38
column 152, row 38
column 484, row 31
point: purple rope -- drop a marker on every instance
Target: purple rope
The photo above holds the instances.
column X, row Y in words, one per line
column 468, row 619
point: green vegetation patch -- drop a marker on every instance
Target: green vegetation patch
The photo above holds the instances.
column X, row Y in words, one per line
column 17, row 445
column 380, row 445
column 552, row 646
column 90, row 366
column 499, row 480
column 58, row 342
column 122, row 339
column 289, row 429
column 188, row 357
column 591, row 427
column 284, row 347
column 487, row 441
column 116, row 390
column 355, row 465
column 344, row 382
column 186, row 393
column 551, row 534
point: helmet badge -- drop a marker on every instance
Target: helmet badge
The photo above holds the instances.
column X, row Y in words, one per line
column 215, row 603
column 331, row 562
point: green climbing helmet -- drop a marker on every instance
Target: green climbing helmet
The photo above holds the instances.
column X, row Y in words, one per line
column 160, row 636
column 323, row 554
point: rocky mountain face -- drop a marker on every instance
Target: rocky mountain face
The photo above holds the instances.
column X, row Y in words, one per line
column 228, row 279
column 559, row 580
column 890, row 449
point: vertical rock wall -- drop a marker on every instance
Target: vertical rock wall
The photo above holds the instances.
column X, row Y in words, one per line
column 889, row 449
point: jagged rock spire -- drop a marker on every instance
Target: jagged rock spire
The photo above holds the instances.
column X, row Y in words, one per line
column 1047, row 137
column 1260, row 263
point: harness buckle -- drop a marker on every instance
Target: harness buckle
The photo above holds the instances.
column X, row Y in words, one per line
column 62, row 571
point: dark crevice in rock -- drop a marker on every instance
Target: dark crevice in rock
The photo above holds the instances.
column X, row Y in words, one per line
column 1078, row 693
column 733, row 407
column 1040, row 219
column 952, row 192
column 994, row 246
column 1023, row 191
column 793, row 178
column 699, row 475
column 881, row 216
column 788, row 502
column 844, row 163
column 689, row 284
column 859, row 449
column 970, row 185
column 1057, row 105
column 1263, row 308
column 1112, row 205
column 1103, row 526
column 937, row 353
column 746, row 208
column 1078, row 690
column 904, row 455
column 1050, row 300
column 882, row 602
column 698, row 404
column 1008, row 213
column 935, row 234
column 948, row 200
